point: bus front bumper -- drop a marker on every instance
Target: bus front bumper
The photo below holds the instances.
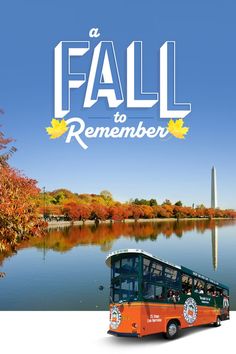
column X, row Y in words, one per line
column 121, row 334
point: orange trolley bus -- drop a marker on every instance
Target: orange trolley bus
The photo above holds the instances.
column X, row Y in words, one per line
column 150, row 295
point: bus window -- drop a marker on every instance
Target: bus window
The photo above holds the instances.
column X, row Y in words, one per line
column 210, row 288
column 171, row 274
column 124, row 282
column 156, row 270
column 152, row 270
column 218, row 292
column 146, row 268
column 199, row 286
column 125, row 289
column 129, row 265
column 172, row 278
column 173, row 295
column 152, row 291
column 187, row 283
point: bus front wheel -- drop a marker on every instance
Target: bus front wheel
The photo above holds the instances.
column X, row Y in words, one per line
column 218, row 322
column 172, row 330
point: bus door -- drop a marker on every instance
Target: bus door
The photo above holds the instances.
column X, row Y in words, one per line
column 224, row 303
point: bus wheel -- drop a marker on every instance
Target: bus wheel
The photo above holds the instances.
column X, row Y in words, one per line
column 172, row 330
column 218, row 322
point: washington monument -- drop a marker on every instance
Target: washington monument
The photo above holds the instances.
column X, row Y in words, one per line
column 213, row 188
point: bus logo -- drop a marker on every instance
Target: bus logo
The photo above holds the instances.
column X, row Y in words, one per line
column 115, row 317
column 190, row 310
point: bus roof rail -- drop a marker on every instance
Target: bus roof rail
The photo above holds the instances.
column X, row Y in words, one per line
column 138, row 251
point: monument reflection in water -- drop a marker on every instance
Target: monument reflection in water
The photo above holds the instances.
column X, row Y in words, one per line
column 214, row 243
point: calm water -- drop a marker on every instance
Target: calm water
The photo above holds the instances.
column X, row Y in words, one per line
column 64, row 270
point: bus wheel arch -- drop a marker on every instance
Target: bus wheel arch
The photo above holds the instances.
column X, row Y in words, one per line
column 217, row 323
column 173, row 327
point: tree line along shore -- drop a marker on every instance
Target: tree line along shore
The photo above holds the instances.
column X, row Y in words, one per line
column 62, row 205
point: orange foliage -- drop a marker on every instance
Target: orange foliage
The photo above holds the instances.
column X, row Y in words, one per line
column 18, row 217
column 99, row 211
column 117, row 213
column 77, row 212
column 93, row 207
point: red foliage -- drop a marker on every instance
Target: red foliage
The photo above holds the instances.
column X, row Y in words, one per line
column 136, row 211
column 54, row 210
column 148, row 211
column 3, row 145
column 18, row 217
column 99, row 211
column 77, row 211
column 117, row 213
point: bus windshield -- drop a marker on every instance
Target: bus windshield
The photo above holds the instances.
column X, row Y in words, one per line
column 124, row 283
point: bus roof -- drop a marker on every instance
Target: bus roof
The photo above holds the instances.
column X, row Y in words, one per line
column 182, row 268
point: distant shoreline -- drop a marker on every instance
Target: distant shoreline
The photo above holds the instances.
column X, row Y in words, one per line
column 55, row 224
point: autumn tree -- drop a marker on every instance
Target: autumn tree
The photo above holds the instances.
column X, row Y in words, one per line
column 4, row 145
column 19, row 219
column 49, row 210
column 148, row 211
column 107, row 196
column 71, row 210
column 127, row 211
column 136, row 211
column 117, row 212
column 99, row 211
column 59, row 196
column 84, row 211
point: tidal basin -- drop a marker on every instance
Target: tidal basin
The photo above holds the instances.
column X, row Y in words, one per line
column 66, row 270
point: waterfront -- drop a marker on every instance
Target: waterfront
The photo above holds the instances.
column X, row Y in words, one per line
column 64, row 270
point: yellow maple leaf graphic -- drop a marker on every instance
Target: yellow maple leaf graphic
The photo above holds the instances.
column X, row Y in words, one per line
column 57, row 129
column 176, row 128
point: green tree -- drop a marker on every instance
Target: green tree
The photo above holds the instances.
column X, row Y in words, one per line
column 167, row 202
column 60, row 195
column 141, row 201
column 200, row 206
column 152, row 202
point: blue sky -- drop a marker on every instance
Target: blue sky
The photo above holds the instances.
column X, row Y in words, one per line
column 206, row 76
